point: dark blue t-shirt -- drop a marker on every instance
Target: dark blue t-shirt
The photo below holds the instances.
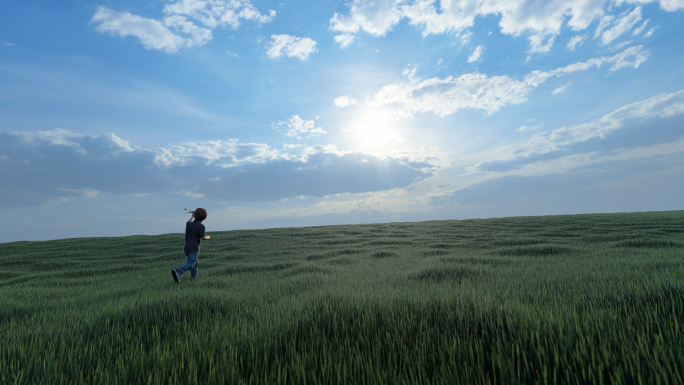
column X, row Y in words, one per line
column 193, row 232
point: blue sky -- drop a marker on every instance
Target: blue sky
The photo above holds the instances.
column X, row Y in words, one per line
column 116, row 115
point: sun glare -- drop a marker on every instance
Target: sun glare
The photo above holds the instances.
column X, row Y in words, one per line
column 374, row 131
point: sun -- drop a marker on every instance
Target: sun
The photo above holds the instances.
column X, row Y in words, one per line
column 374, row 131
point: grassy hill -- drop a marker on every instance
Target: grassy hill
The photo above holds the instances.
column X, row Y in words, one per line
column 556, row 299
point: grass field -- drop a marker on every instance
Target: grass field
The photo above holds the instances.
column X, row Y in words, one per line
column 557, row 299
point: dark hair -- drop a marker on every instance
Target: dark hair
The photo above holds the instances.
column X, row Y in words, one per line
column 200, row 214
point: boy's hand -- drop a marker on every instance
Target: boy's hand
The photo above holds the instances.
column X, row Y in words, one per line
column 207, row 237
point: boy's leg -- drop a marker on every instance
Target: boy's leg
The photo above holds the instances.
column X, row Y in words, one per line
column 193, row 271
column 192, row 260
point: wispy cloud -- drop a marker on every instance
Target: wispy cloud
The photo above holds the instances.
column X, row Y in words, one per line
column 344, row 40
column 604, row 184
column 475, row 56
column 561, row 89
column 526, row 128
column 641, row 141
column 612, row 27
column 640, row 28
column 575, row 41
column 547, row 146
column 290, row 46
column 490, row 93
column 661, row 106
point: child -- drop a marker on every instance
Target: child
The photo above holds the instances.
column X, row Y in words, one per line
column 194, row 234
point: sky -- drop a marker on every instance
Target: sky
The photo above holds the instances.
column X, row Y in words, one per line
column 117, row 115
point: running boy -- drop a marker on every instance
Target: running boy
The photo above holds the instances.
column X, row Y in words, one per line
column 194, row 234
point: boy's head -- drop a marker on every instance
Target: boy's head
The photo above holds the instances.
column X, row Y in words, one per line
column 200, row 214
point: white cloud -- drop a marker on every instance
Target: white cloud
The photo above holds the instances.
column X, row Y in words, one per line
column 575, row 41
column 641, row 28
column 197, row 36
column 57, row 136
column 152, row 33
column 446, row 96
column 672, row 5
column 561, row 89
column 465, row 37
column 213, row 13
column 290, row 46
column 375, row 17
column 476, row 54
column 454, row 15
column 345, row 39
column 631, row 57
column 649, row 33
column 221, row 153
column 666, row 5
column 540, row 21
column 479, row 91
column 610, row 28
column 621, row 45
column 175, row 31
column 526, row 128
column 543, row 23
column 409, row 72
column 344, row 101
column 298, row 126
column 537, row 43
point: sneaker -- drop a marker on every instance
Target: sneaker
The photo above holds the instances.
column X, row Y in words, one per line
column 176, row 275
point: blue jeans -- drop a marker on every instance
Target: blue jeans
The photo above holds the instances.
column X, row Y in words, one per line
column 191, row 265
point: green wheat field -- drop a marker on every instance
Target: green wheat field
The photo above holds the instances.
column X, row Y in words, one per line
column 573, row 299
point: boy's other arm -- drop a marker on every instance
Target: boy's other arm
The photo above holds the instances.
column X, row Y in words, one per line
column 205, row 237
column 192, row 216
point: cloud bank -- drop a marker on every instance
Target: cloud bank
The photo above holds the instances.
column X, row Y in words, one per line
column 52, row 166
column 608, row 164
column 564, row 141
